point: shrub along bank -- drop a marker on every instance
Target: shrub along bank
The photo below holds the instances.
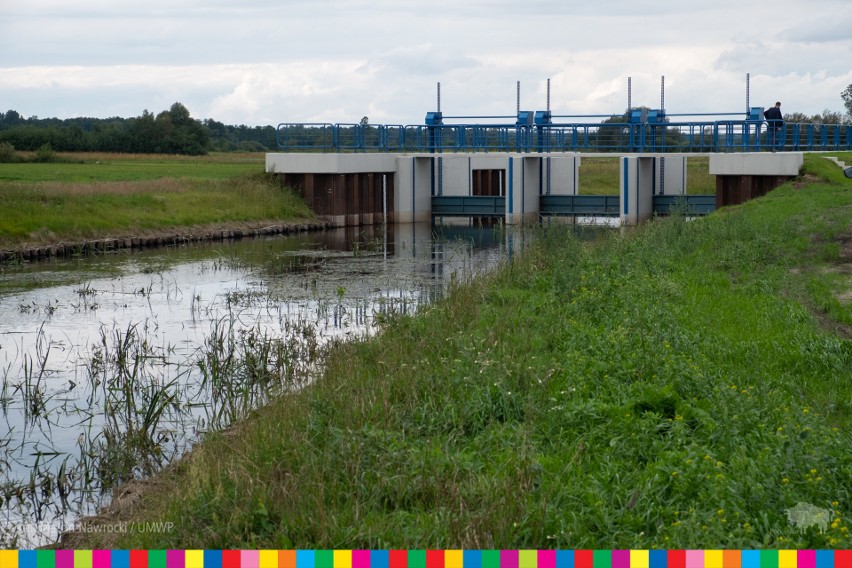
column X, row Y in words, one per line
column 682, row 385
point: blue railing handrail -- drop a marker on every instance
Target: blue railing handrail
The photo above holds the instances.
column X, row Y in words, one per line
column 582, row 115
column 480, row 116
column 704, row 114
column 687, row 136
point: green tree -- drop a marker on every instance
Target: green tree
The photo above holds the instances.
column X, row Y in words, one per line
column 847, row 99
column 828, row 117
column 12, row 118
column 144, row 135
column 182, row 134
column 796, row 118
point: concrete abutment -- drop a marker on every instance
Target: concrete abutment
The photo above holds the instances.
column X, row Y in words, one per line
column 741, row 177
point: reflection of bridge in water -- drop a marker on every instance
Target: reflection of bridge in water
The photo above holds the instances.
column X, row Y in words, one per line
column 527, row 166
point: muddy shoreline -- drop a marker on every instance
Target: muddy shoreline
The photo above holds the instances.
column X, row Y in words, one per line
column 170, row 237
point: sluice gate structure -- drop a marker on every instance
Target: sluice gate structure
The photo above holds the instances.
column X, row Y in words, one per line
column 522, row 167
column 350, row 189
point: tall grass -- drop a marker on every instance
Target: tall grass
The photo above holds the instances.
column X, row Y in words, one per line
column 49, row 212
column 670, row 386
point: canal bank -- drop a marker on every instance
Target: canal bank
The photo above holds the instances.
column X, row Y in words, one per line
column 162, row 238
column 683, row 384
column 102, row 202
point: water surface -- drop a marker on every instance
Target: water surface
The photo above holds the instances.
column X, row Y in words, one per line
column 113, row 366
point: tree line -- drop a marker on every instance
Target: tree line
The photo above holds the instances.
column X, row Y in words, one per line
column 171, row 131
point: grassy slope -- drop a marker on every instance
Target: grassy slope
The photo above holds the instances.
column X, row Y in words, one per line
column 110, row 196
column 676, row 386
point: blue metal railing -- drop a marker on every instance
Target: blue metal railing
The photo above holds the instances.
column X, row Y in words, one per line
column 692, row 136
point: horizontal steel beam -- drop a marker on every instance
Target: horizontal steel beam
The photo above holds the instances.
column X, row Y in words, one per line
column 594, row 205
column 579, row 205
column 468, row 206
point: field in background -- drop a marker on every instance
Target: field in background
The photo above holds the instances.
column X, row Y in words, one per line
column 89, row 196
column 81, row 167
column 600, row 176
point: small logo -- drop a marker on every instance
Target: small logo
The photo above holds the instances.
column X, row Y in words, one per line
column 805, row 515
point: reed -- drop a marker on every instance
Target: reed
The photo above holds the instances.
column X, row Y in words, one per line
column 243, row 369
column 33, row 387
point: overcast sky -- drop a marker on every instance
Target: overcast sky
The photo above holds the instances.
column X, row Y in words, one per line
column 259, row 62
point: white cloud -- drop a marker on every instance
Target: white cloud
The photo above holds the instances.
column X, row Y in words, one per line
column 265, row 62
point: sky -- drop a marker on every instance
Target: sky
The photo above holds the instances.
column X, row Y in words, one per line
column 265, row 62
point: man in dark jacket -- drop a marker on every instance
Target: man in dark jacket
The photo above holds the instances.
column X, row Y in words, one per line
column 775, row 121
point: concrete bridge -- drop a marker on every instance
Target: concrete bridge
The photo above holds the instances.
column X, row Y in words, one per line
column 348, row 189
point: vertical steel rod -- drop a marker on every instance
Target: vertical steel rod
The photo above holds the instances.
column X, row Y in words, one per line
column 629, row 94
column 548, row 94
column 748, row 80
column 518, row 99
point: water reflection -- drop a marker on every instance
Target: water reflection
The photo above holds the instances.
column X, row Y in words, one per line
column 112, row 366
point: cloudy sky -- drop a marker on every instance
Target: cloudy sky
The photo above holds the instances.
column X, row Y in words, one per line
column 259, row 62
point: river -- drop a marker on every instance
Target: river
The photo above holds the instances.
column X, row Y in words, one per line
column 112, row 366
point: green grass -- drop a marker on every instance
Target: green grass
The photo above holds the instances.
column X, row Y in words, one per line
column 131, row 167
column 678, row 385
column 131, row 196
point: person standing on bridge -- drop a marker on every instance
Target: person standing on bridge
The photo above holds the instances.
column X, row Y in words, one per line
column 776, row 122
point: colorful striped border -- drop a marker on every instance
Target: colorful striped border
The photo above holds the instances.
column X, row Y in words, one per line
column 425, row 558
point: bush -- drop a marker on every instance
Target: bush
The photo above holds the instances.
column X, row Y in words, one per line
column 7, row 153
column 45, row 153
column 251, row 146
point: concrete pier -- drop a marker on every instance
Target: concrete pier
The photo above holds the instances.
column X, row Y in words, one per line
column 642, row 176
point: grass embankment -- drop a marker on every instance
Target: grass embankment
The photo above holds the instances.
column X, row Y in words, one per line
column 85, row 197
column 681, row 385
